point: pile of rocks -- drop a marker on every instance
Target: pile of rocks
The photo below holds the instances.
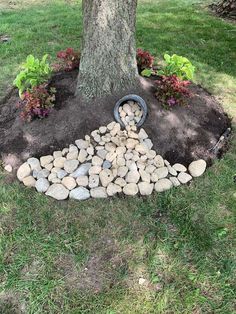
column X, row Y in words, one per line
column 130, row 113
column 108, row 162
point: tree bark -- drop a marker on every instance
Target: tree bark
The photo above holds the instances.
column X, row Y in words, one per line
column 108, row 61
column 225, row 8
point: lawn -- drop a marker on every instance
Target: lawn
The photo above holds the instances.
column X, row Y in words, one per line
column 88, row 257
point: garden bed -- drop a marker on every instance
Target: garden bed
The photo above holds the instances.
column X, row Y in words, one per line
column 181, row 134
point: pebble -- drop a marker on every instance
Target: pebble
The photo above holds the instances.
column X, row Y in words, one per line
column 122, row 171
column 69, row 183
column 174, row 181
column 106, row 177
column 58, row 153
column 172, row 171
column 61, row 174
column 163, row 185
column 106, row 164
column 58, row 191
column 23, row 171
column 132, row 176
column 99, row 192
column 113, row 189
column 130, row 189
column 184, row 177
column 59, row 162
column 161, row 172
column 145, row 176
column 179, row 167
column 95, row 170
column 71, row 165
column 97, row 161
column 93, row 181
column 80, row 194
column 8, row 168
column 42, row 185
column 72, row 155
column 34, row 163
column 44, row 160
column 29, row 181
column 145, row 188
column 82, row 144
column 197, row 168
column 82, row 181
column 121, row 182
column 159, row 161
column 82, row 170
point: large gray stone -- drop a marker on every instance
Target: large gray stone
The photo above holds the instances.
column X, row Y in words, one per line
column 58, row 191
column 81, row 171
column 197, row 168
column 80, row 194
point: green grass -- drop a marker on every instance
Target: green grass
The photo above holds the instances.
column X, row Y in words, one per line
column 87, row 257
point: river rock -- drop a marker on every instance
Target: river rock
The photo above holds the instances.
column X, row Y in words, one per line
column 163, row 185
column 80, row 194
column 106, row 177
column 145, row 188
column 82, row 181
column 99, row 192
column 23, row 171
column 82, row 170
column 69, row 183
column 44, row 160
column 130, row 189
column 82, row 144
column 159, row 161
column 179, row 167
column 71, row 165
column 93, row 181
column 197, row 168
column 174, row 181
column 29, row 181
column 34, row 164
column 59, row 162
column 121, row 182
column 113, row 189
column 42, row 185
column 132, row 176
column 184, row 177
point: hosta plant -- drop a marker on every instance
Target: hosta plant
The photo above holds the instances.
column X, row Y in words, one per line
column 34, row 72
column 172, row 91
column 179, row 66
column 37, row 103
column 144, row 59
column 68, row 60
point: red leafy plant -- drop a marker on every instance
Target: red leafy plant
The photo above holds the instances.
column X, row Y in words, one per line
column 144, row 59
column 69, row 60
column 172, row 91
column 37, row 102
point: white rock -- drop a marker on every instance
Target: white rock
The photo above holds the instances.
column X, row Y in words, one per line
column 151, row 154
column 148, row 143
column 23, row 171
column 95, row 170
column 97, row 161
column 73, row 148
column 166, row 162
column 171, row 170
column 57, row 154
column 61, row 174
column 132, row 166
column 71, row 165
column 179, row 167
column 197, row 168
column 184, row 177
column 150, row 169
column 8, row 168
column 111, row 125
column 102, row 153
column 82, row 144
column 113, row 189
column 44, row 160
column 93, row 181
column 64, row 152
column 130, row 189
column 145, row 176
column 122, row 171
column 163, row 185
column 90, row 150
column 44, row 173
column 115, row 129
column 81, row 171
column 142, row 134
column 142, row 281
column 132, row 176
column 56, row 180
column 52, row 176
column 42, row 185
column 29, row 181
column 82, row 155
column 69, row 183
column 49, row 166
column 145, row 188
column 58, row 191
column 131, row 143
column 161, row 172
column 34, row 163
column 106, row 177
column 111, row 156
column 80, row 194
column 159, row 161
column 102, row 129
column 110, row 147
column 120, row 162
column 82, row 181
column 72, row 155
column 59, row 162
column 121, row 182
column 141, row 148
column 99, row 192
column 175, row 181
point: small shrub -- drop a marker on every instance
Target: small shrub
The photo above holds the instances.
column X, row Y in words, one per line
column 34, row 72
column 37, row 103
column 144, row 59
column 69, row 60
column 172, row 91
column 179, row 66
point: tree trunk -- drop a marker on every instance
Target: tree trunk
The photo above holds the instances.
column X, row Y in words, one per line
column 108, row 60
column 226, row 8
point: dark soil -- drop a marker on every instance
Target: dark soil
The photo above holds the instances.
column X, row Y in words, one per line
column 180, row 135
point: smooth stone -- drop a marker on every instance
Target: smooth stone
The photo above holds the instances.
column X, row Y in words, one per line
column 122, row 171
column 56, row 180
column 113, row 189
column 99, row 192
column 131, row 165
column 102, row 153
column 82, row 144
column 145, row 176
column 159, row 161
column 111, row 156
column 23, row 171
column 110, row 147
column 43, row 173
column 142, row 134
column 141, row 148
column 111, row 125
column 132, row 176
column 8, row 168
column 71, row 165
column 44, row 160
column 73, row 148
column 29, row 181
column 172, row 171
column 95, row 170
column 82, row 155
column 93, row 181
column 52, row 176
column 151, row 154
column 166, row 162
column 90, row 150
column 34, row 163
column 106, row 177
column 59, row 162
column 121, row 150
column 180, row 168
column 161, row 172
column 106, row 164
column 197, row 168
column 69, row 183
column 163, row 185
column 102, row 129
column 131, row 143
column 42, row 185
column 130, row 189
column 175, row 181
column 82, row 181
column 58, row 154
column 82, row 170
column 148, row 143
column 184, row 177
column 80, row 194
column 58, row 191
column 72, row 155
column 49, row 166
column 150, row 169
column 121, row 182
column 120, row 162
column 145, row 188
column 97, row 161
column 115, row 129
column 64, row 152
column 61, row 174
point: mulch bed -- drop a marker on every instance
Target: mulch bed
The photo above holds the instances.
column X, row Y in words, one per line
column 180, row 135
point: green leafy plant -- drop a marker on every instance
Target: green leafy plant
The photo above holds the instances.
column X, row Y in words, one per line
column 147, row 72
column 34, row 72
column 179, row 66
